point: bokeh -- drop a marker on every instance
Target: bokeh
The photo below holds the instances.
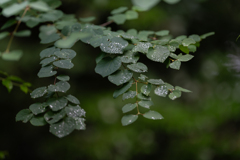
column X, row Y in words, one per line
column 202, row 125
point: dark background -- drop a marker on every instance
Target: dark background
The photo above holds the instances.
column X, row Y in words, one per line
column 202, row 125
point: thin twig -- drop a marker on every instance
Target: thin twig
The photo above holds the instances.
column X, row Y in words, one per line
column 105, row 24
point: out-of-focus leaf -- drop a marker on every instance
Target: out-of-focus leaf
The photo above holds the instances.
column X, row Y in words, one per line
column 12, row 55
column 153, row 115
column 24, row 115
column 128, row 119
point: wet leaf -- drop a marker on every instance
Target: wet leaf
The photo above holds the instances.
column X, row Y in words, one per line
column 37, row 108
column 75, row 111
column 146, row 89
column 128, row 119
column 114, row 45
column 59, row 87
column 158, row 54
column 63, row 128
column 65, row 53
column 142, row 77
column 153, row 115
column 72, row 99
column 38, row 120
column 108, row 66
column 57, row 103
column 63, row 78
column 53, row 117
column 129, row 94
column 80, row 125
column 123, row 89
column 143, row 97
column 142, row 47
column 128, row 107
column 180, row 38
column 175, row 65
column 97, row 40
column 39, row 92
column 65, row 64
column 145, row 104
column 47, row 61
column 120, row 77
column 24, row 115
column 48, row 52
column 156, row 81
column 161, row 91
column 175, row 94
column 130, row 57
column 138, row 67
column 46, row 71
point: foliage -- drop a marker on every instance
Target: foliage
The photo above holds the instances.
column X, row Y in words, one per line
column 119, row 61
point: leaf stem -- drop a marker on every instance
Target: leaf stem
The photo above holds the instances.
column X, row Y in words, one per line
column 105, row 24
column 15, row 30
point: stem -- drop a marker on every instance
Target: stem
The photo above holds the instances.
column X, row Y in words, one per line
column 105, row 24
column 15, row 30
column 136, row 98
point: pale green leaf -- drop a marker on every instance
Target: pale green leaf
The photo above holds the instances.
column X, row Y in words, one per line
column 171, row 1
column 144, row 97
column 131, row 15
column 143, row 77
column 75, row 111
column 181, row 89
column 145, row 5
column 175, row 65
column 207, row 35
column 65, row 64
column 65, row 53
column 195, row 37
column 14, row 8
column 130, row 57
column 12, row 55
column 118, row 18
column 46, row 71
column 142, row 47
column 40, row 6
column 114, row 45
column 185, row 58
column 162, row 33
column 186, row 42
column 47, row 61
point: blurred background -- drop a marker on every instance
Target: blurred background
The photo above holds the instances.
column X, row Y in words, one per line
column 202, row 125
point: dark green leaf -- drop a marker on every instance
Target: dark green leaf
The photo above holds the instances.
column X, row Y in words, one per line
column 138, row 67
column 72, row 99
column 8, row 84
column 143, row 97
column 146, row 89
column 9, row 23
column 46, row 71
column 66, row 64
column 156, row 81
column 48, row 52
column 129, row 94
column 142, row 47
column 38, row 121
column 24, row 115
column 108, row 66
column 158, row 54
column 57, row 103
column 39, row 92
column 47, row 61
column 192, row 48
column 128, row 107
column 63, row 78
column 65, row 53
column 24, row 33
column 63, row 128
column 153, row 115
column 75, row 111
column 120, row 77
column 142, row 77
column 123, row 89
column 145, row 104
column 130, row 57
column 97, row 40
column 115, row 45
column 37, row 108
column 128, row 119
column 175, row 94
column 175, row 65
column 59, row 87
column 100, row 57
column 53, row 117
column 161, row 91
column 80, row 125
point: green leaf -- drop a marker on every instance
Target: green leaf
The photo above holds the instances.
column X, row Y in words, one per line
column 181, row 89
column 158, row 54
column 47, row 61
column 59, row 87
column 131, row 15
column 75, row 111
column 37, row 108
column 153, row 115
column 48, row 34
column 8, row 84
column 4, row 1
column 65, row 64
column 180, row 38
column 100, row 57
column 162, row 33
column 120, row 77
column 128, row 107
column 186, row 42
column 70, row 40
column 130, row 57
column 142, row 47
column 143, row 35
column 138, row 67
column 9, row 23
column 142, row 77
column 52, row 15
column 15, row 78
column 87, row 19
column 185, row 58
column 65, row 53
column 145, row 104
column 3, row 35
column 207, row 35
column 14, row 8
column 39, row 92
column 24, row 33
column 129, row 94
column 175, row 94
column 40, row 6
column 175, row 65
column 195, row 37
column 48, row 52
column 175, row 43
column 63, row 78
column 143, row 97
column 192, row 48
column 156, row 81
column 132, row 32
column 24, row 88
column 12, row 55
column 169, row 86
column 161, row 91
column 72, row 99
column 128, row 119
column 53, row 117
column 115, row 45
column 24, row 115
column 118, row 18
column 108, row 66
column 123, row 89
column 97, row 40
column 171, row 1
column 57, row 103
column 146, row 89
column 38, row 121
column 119, row 10
column 145, row 4
column 46, row 71
column 80, row 125
column 63, row 128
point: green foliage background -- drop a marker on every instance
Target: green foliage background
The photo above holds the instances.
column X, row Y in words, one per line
column 202, row 125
